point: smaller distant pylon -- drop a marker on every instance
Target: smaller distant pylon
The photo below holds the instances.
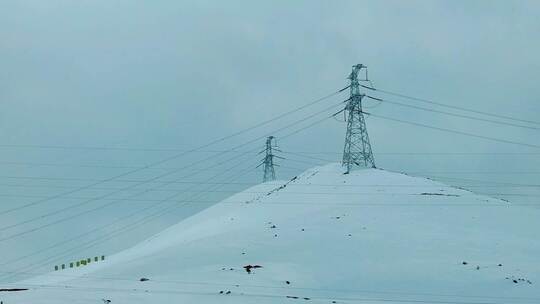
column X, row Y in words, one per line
column 268, row 160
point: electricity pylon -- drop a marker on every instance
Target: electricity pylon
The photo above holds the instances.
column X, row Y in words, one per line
column 268, row 161
column 357, row 150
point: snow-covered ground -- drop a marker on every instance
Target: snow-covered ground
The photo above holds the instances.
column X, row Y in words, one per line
column 371, row 236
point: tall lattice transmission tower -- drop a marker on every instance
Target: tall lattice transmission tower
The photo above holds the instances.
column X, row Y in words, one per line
column 357, row 150
column 268, row 160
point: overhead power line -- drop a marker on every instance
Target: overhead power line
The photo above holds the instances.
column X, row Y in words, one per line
column 104, row 148
column 144, row 220
column 40, row 217
column 455, row 131
column 452, row 106
column 84, row 212
column 306, row 127
column 167, row 159
column 359, row 194
column 260, row 124
column 251, row 183
column 134, row 225
column 453, row 114
column 282, row 167
column 424, row 153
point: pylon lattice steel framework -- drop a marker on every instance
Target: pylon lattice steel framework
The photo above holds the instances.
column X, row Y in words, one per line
column 268, row 161
column 357, row 151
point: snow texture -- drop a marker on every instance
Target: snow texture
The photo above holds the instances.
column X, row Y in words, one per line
column 371, row 236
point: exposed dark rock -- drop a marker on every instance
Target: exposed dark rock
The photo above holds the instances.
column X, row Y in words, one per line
column 295, row 297
column 249, row 267
column 438, row 194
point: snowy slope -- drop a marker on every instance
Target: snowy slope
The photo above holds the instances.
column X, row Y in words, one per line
column 371, row 236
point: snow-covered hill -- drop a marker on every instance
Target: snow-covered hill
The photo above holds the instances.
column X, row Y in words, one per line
column 371, row 236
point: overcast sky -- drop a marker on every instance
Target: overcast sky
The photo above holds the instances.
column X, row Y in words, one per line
column 174, row 75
